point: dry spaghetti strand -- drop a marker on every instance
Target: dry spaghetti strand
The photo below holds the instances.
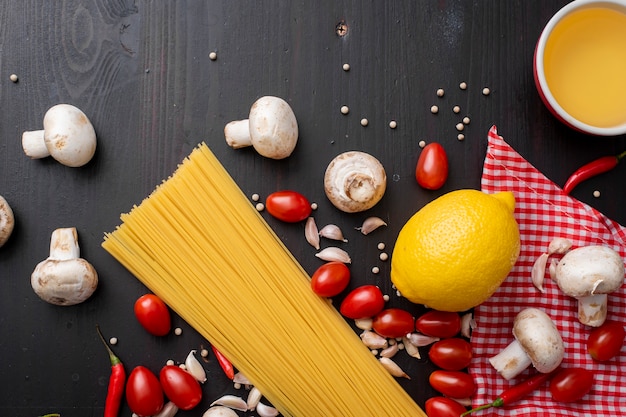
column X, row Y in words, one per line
column 198, row 243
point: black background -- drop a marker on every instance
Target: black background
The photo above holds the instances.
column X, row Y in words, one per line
column 141, row 71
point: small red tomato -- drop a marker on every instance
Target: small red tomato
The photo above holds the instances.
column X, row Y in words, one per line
column 453, row 384
column 153, row 314
column 451, row 354
column 432, row 167
column 571, row 384
column 362, row 302
column 393, row 322
column 442, row 324
column 143, row 392
column 605, row 342
column 443, row 407
column 330, row 279
column 288, row 206
column 180, row 387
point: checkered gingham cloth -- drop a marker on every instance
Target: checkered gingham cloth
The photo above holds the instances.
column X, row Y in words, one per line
column 544, row 212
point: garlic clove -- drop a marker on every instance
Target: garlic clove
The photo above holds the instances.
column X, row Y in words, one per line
column 370, row 224
column 552, row 269
column 231, row 401
column 194, row 367
column 373, row 340
column 467, row 324
column 419, row 339
column 219, row 411
column 332, row 231
column 364, row 324
column 393, row 368
column 538, row 272
column 169, row 410
column 254, row 397
column 264, row 410
column 311, row 234
column 391, row 351
column 332, row 253
column 241, row 379
column 411, row 349
column 559, row 245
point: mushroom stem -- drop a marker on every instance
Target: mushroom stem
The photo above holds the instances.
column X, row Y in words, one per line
column 34, row 144
column 511, row 361
column 237, row 134
column 592, row 309
column 64, row 244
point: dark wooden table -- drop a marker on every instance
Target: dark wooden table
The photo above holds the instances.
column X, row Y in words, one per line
column 141, row 71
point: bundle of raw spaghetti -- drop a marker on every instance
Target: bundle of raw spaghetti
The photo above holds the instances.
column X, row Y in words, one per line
column 200, row 245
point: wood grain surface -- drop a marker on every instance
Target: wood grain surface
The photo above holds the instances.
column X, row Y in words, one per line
column 141, row 71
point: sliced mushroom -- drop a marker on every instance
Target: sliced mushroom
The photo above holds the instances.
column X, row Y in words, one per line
column 271, row 128
column 355, row 181
column 589, row 274
column 64, row 278
column 68, row 136
column 7, row 221
column 537, row 342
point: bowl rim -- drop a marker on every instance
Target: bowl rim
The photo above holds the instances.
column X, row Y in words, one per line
column 540, row 76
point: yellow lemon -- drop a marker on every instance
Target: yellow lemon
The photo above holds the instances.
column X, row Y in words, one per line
column 456, row 251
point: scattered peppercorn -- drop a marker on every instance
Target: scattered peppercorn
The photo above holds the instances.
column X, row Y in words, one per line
column 460, row 126
column 463, row 86
column 393, row 124
column 434, row 109
column 422, row 143
column 345, row 110
column 486, row 91
column 456, row 109
column 460, row 136
column 596, row 193
column 346, row 67
column 440, row 92
column 13, row 78
column 466, row 120
column 364, row 122
column 213, row 56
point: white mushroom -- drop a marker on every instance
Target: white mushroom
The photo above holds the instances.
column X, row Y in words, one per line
column 271, row 128
column 67, row 136
column 7, row 221
column 64, row 278
column 537, row 342
column 589, row 273
column 355, row 181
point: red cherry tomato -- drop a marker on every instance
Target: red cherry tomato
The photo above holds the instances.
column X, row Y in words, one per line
column 288, row 206
column 362, row 302
column 143, row 392
column 605, row 342
column 393, row 322
column 330, row 279
column 443, row 407
column 451, row 354
column 153, row 314
column 180, row 387
column 442, row 324
column 432, row 167
column 571, row 384
column 454, row 384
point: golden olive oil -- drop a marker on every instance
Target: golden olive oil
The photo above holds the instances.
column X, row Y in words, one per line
column 585, row 65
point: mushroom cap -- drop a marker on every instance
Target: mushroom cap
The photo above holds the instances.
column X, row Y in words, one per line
column 273, row 127
column 355, row 181
column 64, row 282
column 69, row 135
column 590, row 270
column 7, row 221
column 537, row 334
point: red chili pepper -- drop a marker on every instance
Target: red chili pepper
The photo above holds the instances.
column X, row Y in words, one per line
column 116, row 382
column 593, row 168
column 227, row 367
column 515, row 393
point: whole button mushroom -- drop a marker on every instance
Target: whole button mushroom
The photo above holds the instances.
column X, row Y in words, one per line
column 68, row 136
column 271, row 128
column 7, row 221
column 589, row 274
column 355, row 181
column 537, row 342
column 64, row 278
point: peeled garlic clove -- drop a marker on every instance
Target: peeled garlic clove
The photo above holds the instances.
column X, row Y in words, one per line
column 241, row 379
column 559, row 245
column 420, row 340
column 331, row 231
column 370, row 224
column 538, row 272
column 391, row 351
column 254, row 397
column 411, row 349
column 264, row 410
column 232, row 401
column 219, row 411
column 552, row 268
column 373, row 340
column 364, row 324
column 467, row 324
column 194, row 367
column 393, row 368
column 332, row 253
column 169, row 410
column 311, row 234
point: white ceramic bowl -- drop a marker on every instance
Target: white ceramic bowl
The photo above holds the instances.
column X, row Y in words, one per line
column 540, row 77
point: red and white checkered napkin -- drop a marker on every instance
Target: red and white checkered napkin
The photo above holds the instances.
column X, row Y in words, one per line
column 543, row 213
